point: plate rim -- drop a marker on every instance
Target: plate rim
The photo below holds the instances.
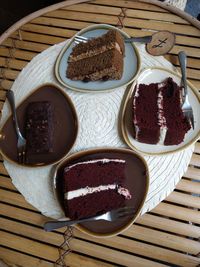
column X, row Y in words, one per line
column 123, row 123
column 68, row 99
column 70, row 40
column 106, row 150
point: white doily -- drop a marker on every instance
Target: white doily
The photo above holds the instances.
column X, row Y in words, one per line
column 98, row 117
column 177, row 3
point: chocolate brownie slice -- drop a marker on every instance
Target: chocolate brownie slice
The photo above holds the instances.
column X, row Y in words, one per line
column 39, row 127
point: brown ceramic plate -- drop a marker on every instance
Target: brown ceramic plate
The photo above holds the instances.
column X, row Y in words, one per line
column 65, row 132
column 137, row 181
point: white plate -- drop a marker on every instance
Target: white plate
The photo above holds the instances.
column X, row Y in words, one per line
column 157, row 75
column 131, row 63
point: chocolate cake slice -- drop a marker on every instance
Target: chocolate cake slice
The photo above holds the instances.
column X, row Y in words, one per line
column 100, row 58
column 108, row 65
column 94, row 187
column 39, row 127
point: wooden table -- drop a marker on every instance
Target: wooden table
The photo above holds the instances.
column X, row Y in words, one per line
column 166, row 236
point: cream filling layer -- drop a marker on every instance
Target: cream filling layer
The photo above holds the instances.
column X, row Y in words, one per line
column 95, row 52
column 134, row 108
column 90, row 190
column 161, row 118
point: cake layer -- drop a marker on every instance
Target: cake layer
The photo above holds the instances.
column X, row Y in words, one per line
column 94, row 173
column 112, row 39
column 39, row 127
column 94, row 204
column 107, row 65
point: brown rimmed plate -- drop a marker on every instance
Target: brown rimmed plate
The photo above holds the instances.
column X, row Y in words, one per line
column 157, row 75
column 65, row 129
column 137, row 181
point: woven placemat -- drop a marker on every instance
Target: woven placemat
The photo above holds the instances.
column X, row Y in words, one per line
column 98, row 117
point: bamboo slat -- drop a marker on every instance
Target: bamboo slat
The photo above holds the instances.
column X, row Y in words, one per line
column 40, row 38
column 177, row 212
column 169, row 225
column 30, row 46
column 9, row 256
column 24, row 55
column 10, row 74
column 192, row 173
column 130, row 4
column 195, row 161
column 49, row 31
column 13, row 63
column 197, row 147
column 184, row 199
column 189, row 186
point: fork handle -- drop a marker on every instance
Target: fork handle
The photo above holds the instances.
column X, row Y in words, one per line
column 143, row 39
column 52, row 225
column 11, row 100
column 183, row 61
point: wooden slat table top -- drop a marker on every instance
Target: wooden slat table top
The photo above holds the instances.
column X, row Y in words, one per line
column 166, row 236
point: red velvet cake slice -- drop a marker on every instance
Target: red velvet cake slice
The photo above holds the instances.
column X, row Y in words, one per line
column 157, row 114
column 94, row 187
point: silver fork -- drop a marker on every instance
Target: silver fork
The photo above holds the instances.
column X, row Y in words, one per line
column 144, row 39
column 108, row 216
column 21, row 141
column 186, row 107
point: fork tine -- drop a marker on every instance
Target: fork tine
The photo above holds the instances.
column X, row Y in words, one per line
column 24, row 156
column 126, row 214
column 19, row 157
column 192, row 120
column 125, row 209
column 78, row 41
column 81, row 37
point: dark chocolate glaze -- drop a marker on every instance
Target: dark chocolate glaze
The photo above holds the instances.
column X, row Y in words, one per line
column 65, row 128
column 136, row 182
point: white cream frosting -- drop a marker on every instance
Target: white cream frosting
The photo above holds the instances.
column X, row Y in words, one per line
column 118, row 48
column 90, row 190
column 104, row 161
column 161, row 119
column 134, row 114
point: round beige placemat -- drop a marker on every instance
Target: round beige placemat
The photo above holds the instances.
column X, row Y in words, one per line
column 98, row 117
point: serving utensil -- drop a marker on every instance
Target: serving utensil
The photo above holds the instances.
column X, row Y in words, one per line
column 21, row 141
column 108, row 216
column 144, row 39
column 186, row 107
